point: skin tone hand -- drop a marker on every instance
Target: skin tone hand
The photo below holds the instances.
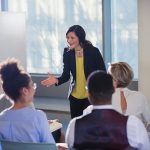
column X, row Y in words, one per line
column 51, row 80
column 61, row 148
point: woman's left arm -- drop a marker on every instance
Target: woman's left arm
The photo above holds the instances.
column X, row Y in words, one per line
column 99, row 62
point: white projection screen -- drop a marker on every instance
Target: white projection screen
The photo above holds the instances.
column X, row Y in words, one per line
column 12, row 37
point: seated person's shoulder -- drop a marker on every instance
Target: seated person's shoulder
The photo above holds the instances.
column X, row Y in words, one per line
column 134, row 121
column 39, row 112
column 137, row 95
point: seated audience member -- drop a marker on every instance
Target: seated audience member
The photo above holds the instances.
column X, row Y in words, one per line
column 101, row 127
column 21, row 122
column 124, row 100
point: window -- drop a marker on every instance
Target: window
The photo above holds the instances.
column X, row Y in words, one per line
column 124, row 36
column 46, row 24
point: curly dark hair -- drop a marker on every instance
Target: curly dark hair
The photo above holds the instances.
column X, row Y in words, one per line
column 13, row 78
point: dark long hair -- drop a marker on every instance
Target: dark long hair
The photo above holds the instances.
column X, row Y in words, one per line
column 80, row 33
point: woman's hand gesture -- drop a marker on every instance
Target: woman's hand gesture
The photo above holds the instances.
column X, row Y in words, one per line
column 51, row 80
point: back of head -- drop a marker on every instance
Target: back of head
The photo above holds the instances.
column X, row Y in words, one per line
column 80, row 33
column 121, row 72
column 100, row 87
column 13, row 78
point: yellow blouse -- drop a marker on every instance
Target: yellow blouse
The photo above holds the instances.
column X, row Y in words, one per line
column 79, row 90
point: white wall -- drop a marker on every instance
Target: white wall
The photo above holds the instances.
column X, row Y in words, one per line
column 144, row 46
column 12, row 36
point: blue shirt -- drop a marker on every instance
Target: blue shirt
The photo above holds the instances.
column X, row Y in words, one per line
column 25, row 125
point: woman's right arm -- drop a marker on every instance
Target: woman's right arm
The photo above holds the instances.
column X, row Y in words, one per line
column 51, row 80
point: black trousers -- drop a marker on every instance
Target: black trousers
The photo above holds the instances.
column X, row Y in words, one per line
column 56, row 135
column 77, row 106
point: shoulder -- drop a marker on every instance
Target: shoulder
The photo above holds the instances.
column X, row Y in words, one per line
column 73, row 122
column 66, row 49
column 92, row 50
column 32, row 112
column 140, row 94
column 36, row 114
column 133, row 118
column 40, row 117
column 135, row 125
column 40, row 113
column 68, row 52
column 136, row 94
column 91, row 47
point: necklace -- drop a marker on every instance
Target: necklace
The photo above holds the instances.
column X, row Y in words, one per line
column 79, row 53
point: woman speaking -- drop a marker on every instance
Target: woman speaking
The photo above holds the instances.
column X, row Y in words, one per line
column 79, row 60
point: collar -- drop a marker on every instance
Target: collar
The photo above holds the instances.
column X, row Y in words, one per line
column 121, row 89
column 89, row 109
column 103, row 107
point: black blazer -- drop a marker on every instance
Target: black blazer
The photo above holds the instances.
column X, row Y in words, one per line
column 92, row 61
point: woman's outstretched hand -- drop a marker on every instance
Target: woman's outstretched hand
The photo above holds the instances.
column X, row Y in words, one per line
column 51, row 80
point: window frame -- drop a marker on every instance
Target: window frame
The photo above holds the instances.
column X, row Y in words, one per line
column 106, row 50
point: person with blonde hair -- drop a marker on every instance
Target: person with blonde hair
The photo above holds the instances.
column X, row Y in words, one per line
column 124, row 100
column 101, row 127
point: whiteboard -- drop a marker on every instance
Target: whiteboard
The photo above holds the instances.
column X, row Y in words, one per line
column 12, row 36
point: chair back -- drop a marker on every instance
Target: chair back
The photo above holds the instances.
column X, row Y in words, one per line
column 9, row 145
